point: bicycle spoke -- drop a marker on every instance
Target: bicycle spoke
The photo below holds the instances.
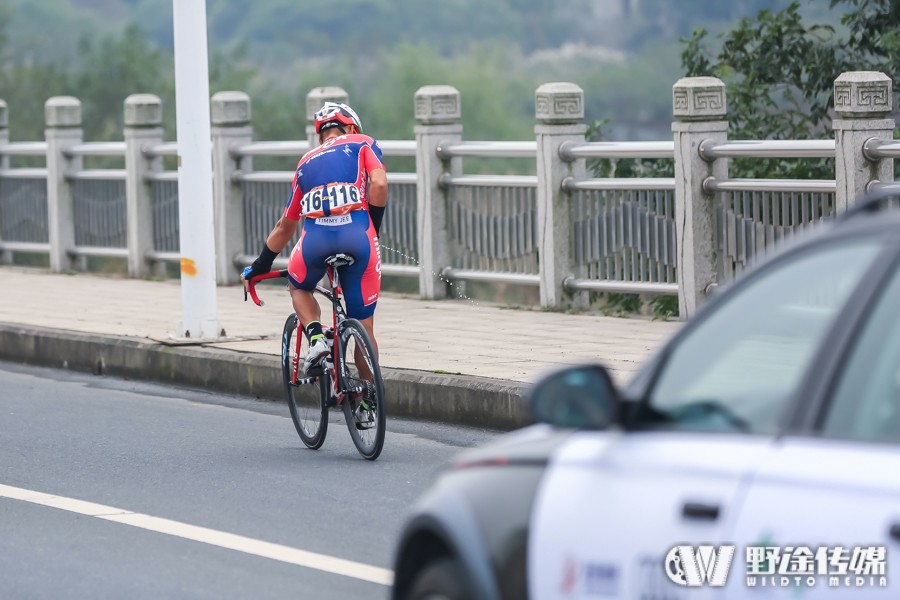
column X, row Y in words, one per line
column 307, row 403
column 363, row 405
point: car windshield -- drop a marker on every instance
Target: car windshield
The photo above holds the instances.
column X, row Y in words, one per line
column 736, row 370
column 866, row 402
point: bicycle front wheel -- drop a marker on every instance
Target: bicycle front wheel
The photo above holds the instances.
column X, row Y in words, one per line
column 363, row 404
column 309, row 407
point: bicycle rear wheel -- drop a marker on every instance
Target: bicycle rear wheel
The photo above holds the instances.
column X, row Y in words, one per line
column 364, row 409
column 309, row 407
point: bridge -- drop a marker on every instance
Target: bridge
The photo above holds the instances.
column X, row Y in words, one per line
column 562, row 230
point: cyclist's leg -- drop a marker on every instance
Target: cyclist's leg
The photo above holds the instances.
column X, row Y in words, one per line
column 305, row 268
column 362, row 280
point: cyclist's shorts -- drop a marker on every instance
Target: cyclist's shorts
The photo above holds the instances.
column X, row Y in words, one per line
column 351, row 234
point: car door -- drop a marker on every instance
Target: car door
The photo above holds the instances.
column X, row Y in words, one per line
column 817, row 513
column 839, row 490
column 614, row 505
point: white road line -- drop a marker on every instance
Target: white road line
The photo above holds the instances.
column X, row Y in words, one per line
column 294, row 556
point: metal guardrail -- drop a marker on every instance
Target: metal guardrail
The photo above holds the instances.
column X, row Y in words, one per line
column 570, row 151
column 162, row 176
column 29, row 247
column 298, row 148
column 164, row 149
column 98, row 175
column 96, row 149
column 398, row 147
column 446, row 180
column 876, row 149
column 288, row 177
column 292, row 148
column 24, row 149
column 710, row 151
column 455, row 274
column 36, row 173
column 622, row 230
column 23, row 201
column 98, row 251
column 620, row 287
column 570, row 184
column 524, row 149
column 711, row 184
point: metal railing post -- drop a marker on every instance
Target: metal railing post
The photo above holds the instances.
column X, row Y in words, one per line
column 863, row 101
column 559, row 111
column 314, row 101
column 62, row 115
column 5, row 255
column 230, row 128
column 143, row 129
column 4, row 132
column 438, row 112
column 699, row 107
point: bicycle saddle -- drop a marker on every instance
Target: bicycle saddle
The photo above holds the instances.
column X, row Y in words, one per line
column 340, row 260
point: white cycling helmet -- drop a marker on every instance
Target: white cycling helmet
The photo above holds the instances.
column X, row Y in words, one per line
column 333, row 114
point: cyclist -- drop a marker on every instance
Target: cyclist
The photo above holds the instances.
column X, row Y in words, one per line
column 340, row 190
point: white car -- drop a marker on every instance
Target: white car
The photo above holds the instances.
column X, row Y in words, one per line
column 756, row 456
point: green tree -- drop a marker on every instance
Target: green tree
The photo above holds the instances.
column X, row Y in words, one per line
column 875, row 33
column 115, row 67
column 780, row 72
column 24, row 86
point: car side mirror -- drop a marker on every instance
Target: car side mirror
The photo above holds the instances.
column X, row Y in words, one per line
column 583, row 397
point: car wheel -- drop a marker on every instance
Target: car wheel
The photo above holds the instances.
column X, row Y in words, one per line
column 440, row 580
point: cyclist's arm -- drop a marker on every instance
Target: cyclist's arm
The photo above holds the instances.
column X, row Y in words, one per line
column 374, row 166
column 282, row 233
column 378, row 187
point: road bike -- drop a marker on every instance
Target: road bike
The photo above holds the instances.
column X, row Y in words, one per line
column 338, row 382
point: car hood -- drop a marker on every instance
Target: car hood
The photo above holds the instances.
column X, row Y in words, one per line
column 530, row 445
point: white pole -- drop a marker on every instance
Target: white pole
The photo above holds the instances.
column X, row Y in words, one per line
column 195, row 193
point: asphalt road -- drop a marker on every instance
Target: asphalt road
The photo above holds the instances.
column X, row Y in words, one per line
column 113, row 489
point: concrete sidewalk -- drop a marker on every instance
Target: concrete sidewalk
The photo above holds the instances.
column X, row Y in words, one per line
column 455, row 348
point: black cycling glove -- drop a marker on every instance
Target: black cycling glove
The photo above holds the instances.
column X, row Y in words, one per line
column 263, row 264
column 376, row 213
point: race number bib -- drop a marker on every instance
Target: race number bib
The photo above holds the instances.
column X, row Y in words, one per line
column 334, row 199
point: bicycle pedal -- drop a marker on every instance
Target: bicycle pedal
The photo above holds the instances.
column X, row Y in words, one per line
column 315, row 370
column 364, row 419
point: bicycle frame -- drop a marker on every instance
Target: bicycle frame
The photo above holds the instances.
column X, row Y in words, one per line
column 339, row 314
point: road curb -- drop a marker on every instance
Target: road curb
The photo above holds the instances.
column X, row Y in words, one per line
column 448, row 398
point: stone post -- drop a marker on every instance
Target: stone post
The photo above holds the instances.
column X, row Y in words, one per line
column 699, row 108
column 230, row 128
column 314, row 101
column 438, row 112
column 5, row 255
column 863, row 101
column 143, row 129
column 4, row 133
column 559, row 111
column 62, row 115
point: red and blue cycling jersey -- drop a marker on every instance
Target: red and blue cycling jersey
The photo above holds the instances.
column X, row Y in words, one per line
column 333, row 179
column 331, row 191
